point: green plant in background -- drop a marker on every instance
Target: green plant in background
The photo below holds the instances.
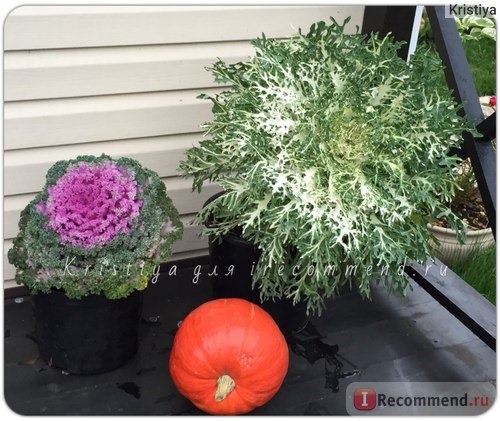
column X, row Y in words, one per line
column 481, row 55
column 467, row 203
column 466, row 182
column 476, row 28
column 98, row 226
column 479, row 40
column 479, row 271
column 333, row 152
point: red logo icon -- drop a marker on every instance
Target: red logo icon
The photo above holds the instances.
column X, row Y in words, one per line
column 365, row 399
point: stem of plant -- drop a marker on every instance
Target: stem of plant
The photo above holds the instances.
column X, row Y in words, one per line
column 225, row 385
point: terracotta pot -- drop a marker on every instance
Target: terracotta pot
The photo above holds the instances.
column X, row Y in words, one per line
column 450, row 249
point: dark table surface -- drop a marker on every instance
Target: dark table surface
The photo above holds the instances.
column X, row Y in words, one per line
column 389, row 338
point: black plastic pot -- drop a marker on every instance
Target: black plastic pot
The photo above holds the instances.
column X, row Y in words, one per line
column 234, row 260
column 87, row 336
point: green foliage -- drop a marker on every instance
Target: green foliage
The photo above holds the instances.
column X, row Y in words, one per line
column 479, row 41
column 115, row 269
column 466, row 181
column 333, row 152
column 479, row 270
column 481, row 56
column 476, row 28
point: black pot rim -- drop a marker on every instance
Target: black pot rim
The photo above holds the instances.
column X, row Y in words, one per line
column 230, row 237
column 58, row 297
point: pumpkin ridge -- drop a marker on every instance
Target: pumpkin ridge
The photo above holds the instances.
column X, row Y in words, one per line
column 192, row 332
column 247, row 333
column 259, row 352
column 202, row 348
column 247, row 393
column 249, row 397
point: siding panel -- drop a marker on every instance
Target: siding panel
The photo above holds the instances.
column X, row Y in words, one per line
column 46, row 27
column 104, row 71
column 30, row 124
column 25, row 169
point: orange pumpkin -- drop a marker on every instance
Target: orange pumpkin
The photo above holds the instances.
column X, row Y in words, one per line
column 228, row 357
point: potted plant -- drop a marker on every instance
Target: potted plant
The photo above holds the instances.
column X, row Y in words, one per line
column 87, row 243
column 468, row 206
column 332, row 152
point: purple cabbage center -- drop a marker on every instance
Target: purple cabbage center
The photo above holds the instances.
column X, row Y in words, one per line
column 92, row 203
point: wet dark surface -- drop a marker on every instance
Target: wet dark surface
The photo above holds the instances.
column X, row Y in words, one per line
column 387, row 339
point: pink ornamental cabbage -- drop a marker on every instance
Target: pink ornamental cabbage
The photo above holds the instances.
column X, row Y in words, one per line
column 92, row 203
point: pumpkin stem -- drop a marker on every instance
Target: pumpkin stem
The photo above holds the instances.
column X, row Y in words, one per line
column 225, row 385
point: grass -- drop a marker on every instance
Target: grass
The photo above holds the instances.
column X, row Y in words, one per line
column 481, row 56
column 479, row 271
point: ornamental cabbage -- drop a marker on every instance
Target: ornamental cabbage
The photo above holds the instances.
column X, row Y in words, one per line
column 335, row 155
column 98, row 226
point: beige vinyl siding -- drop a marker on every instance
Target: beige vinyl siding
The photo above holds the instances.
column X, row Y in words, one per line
column 123, row 80
column 114, row 70
column 49, row 27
